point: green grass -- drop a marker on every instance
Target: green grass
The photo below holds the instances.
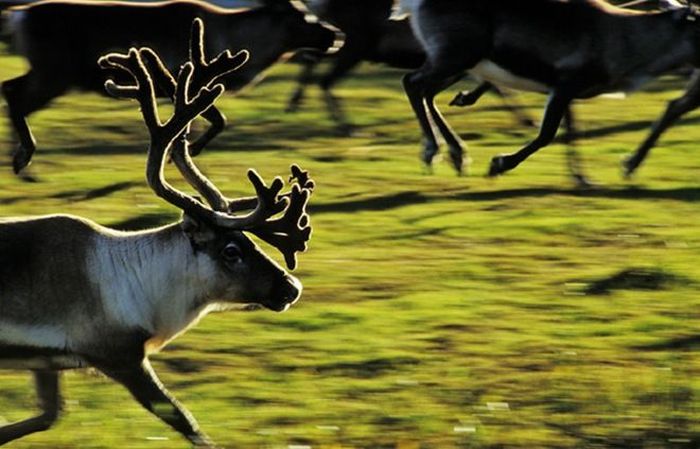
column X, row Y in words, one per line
column 438, row 312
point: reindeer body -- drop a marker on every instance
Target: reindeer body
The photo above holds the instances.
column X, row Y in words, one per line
column 75, row 293
column 62, row 40
column 68, row 49
column 575, row 49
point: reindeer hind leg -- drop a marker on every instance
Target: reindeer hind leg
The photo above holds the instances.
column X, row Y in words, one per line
column 308, row 64
column 24, row 95
column 689, row 101
column 49, row 398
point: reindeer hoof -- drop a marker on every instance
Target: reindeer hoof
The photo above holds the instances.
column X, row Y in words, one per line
column 429, row 152
column 629, row 166
column 20, row 160
column 463, row 99
column 528, row 123
column 293, row 105
column 497, row 166
column 457, row 160
column 345, row 130
column 583, row 183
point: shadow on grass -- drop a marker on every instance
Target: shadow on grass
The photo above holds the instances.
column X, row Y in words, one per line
column 84, row 195
column 411, row 197
column 677, row 436
column 634, row 279
column 688, row 342
column 77, row 195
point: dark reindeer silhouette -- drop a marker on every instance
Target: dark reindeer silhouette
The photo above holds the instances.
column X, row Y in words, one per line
column 370, row 36
column 50, row 33
column 570, row 50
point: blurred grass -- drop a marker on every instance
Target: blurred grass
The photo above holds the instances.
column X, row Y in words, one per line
column 438, row 312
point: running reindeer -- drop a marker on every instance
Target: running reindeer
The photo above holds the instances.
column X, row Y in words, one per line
column 75, row 294
column 571, row 50
column 268, row 32
column 370, row 36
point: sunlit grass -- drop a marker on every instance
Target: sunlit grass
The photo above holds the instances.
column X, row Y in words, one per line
column 438, row 312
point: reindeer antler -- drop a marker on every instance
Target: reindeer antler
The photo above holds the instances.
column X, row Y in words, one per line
column 291, row 230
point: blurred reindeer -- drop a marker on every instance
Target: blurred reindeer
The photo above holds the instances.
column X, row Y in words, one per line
column 50, row 33
column 75, row 294
column 571, row 50
column 370, row 35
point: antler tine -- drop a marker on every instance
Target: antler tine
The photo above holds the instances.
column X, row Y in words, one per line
column 298, row 176
column 290, row 232
column 132, row 64
column 208, row 72
column 204, row 75
column 162, row 135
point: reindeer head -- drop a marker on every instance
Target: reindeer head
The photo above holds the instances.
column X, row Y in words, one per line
column 236, row 269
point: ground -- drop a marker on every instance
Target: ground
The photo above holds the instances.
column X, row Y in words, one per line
column 439, row 311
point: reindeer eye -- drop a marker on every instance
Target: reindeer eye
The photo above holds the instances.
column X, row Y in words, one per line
column 232, row 253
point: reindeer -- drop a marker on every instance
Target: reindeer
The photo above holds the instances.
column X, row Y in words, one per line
column 75, row 294
column 51, row 32
column 568, row 49
column 370, row 36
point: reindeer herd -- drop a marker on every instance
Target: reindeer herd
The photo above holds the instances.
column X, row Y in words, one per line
column 75, row 294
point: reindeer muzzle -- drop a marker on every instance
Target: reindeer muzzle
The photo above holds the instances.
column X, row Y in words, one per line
column 285, row 296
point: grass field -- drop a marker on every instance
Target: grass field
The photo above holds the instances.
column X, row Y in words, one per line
column 438, row 312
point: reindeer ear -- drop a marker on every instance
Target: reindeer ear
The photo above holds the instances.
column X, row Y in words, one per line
column 197, row 231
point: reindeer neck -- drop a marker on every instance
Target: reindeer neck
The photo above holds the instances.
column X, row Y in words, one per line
column 153, row 280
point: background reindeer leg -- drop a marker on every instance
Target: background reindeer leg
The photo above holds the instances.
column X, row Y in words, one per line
column 349, row 56
column 47, row 388
column 689, row 101
column 26, row 94
column 470, row 97
column 456, row 148
column 514, row 108
column 556, row 108
column 574, row 162
column 421, row 87
column 309, row 61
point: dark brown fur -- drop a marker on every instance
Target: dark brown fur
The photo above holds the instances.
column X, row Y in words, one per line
column 577, row 49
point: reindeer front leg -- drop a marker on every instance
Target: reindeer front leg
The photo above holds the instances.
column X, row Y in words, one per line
column 421, row 88
column 144, row 385
column 675, row 110
column 47, row 387
column 470, row 97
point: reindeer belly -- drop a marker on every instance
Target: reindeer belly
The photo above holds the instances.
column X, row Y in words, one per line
column 28, row 357
column 489, row 71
